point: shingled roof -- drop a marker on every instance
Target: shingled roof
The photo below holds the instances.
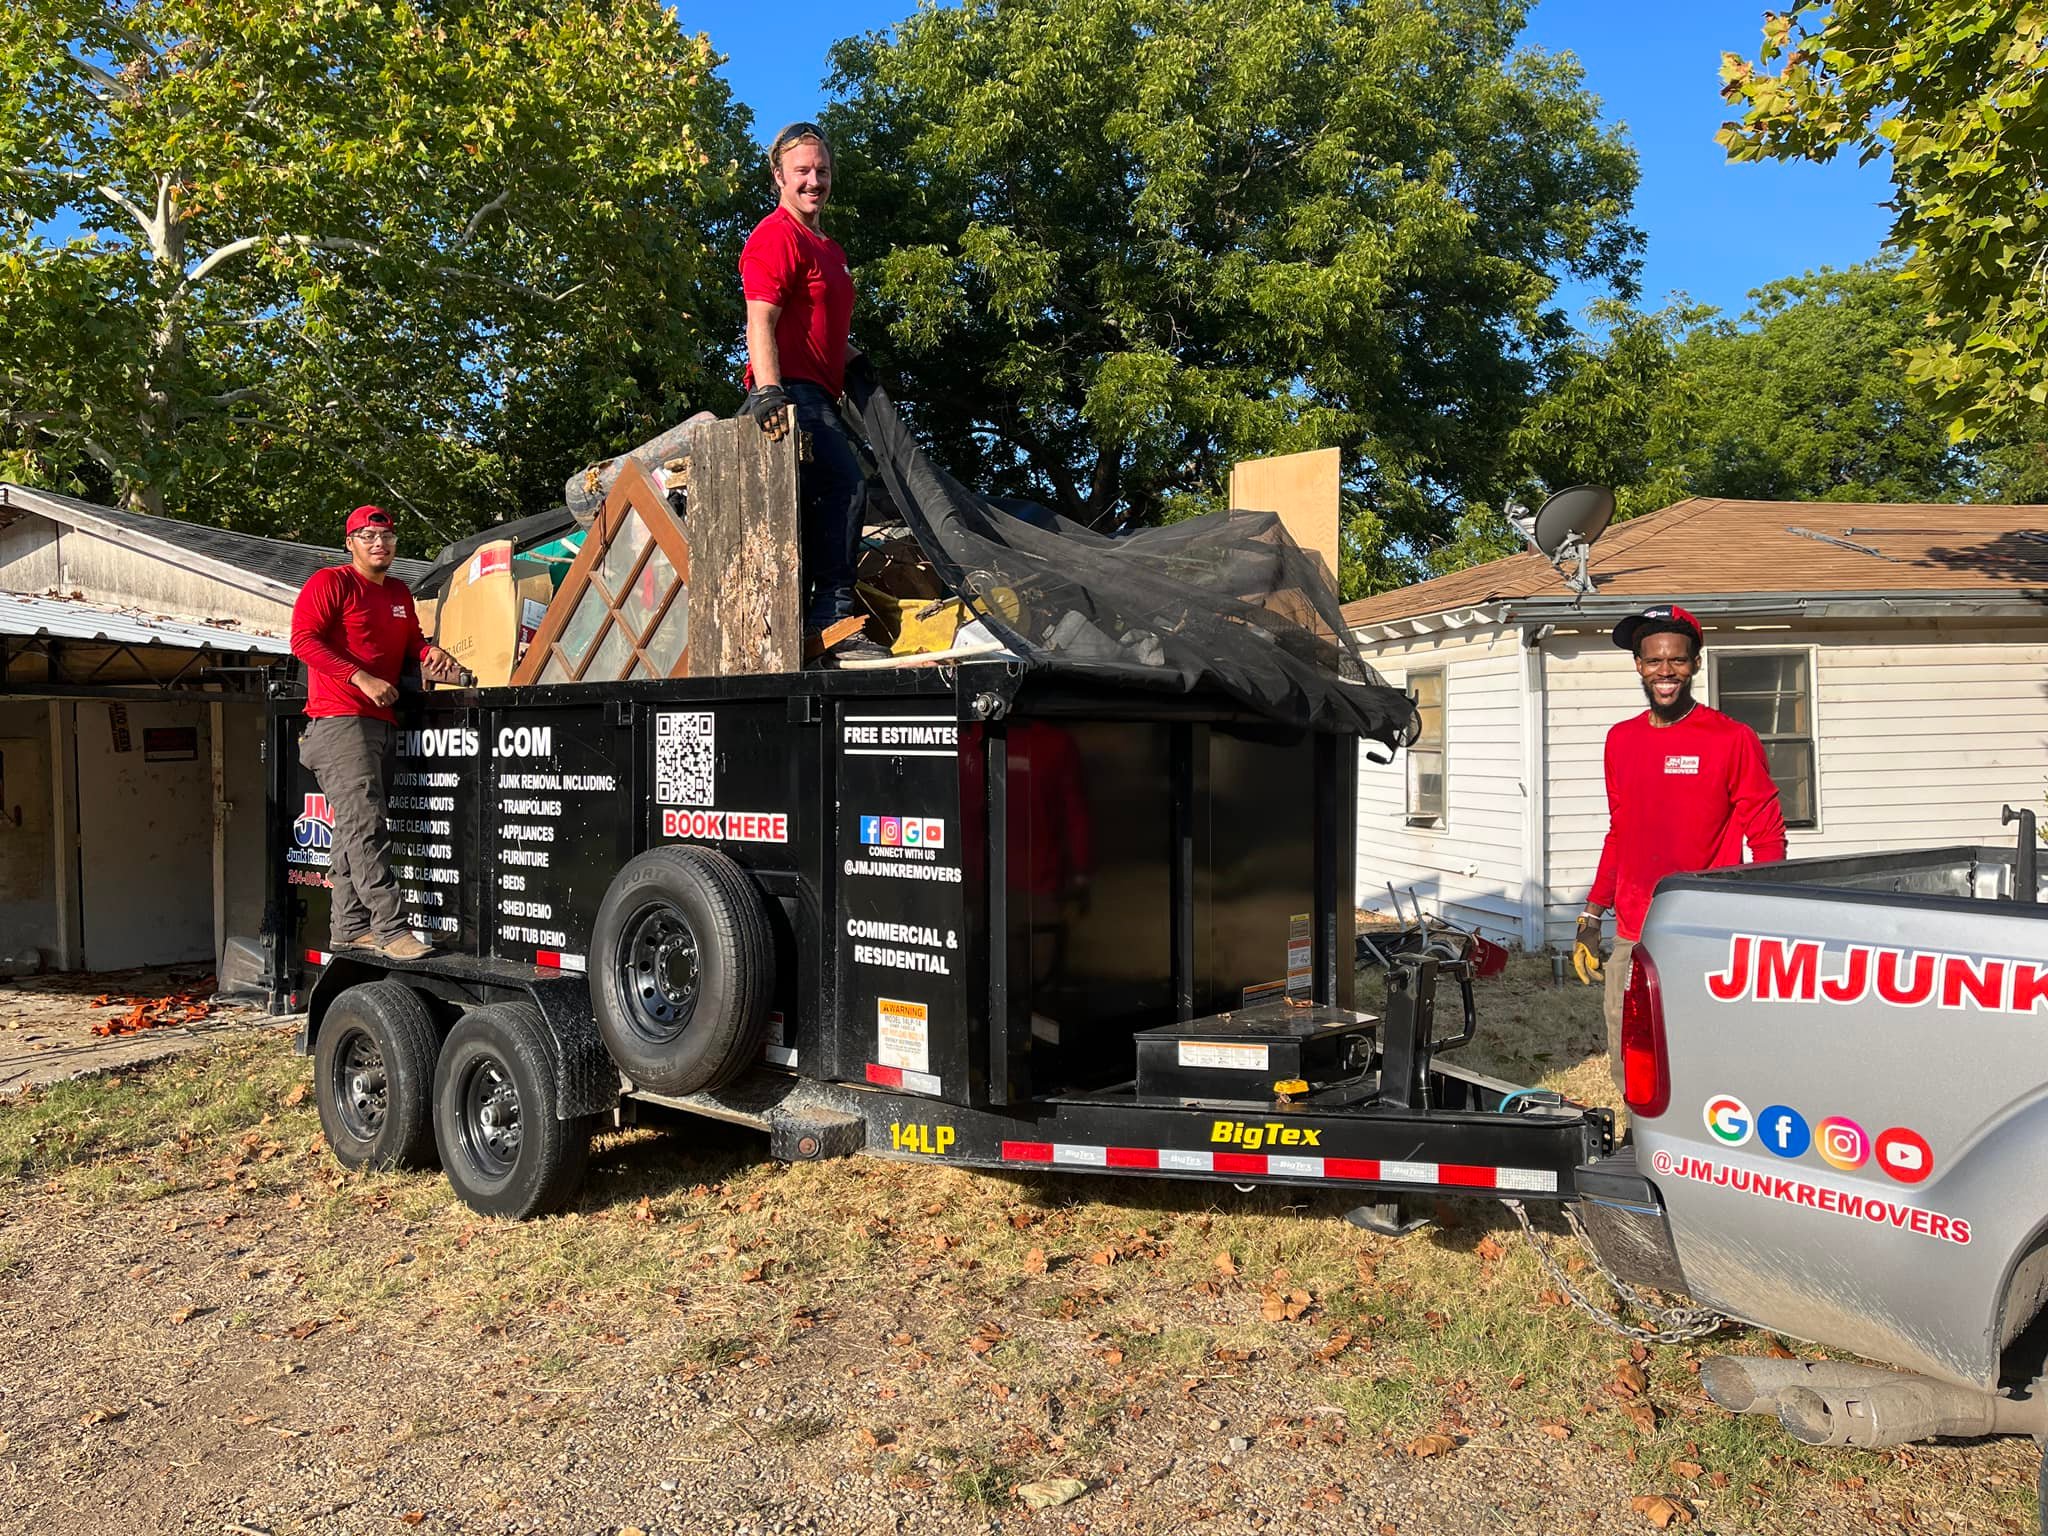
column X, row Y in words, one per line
column 275, row 560
column 1710, row 546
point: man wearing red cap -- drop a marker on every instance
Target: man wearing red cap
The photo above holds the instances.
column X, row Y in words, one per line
column 354, row 627
column 1686, row 787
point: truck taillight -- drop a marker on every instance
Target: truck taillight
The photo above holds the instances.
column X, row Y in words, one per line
column 1645, row 1070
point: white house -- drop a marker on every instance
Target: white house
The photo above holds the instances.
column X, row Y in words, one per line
column 1893, row 658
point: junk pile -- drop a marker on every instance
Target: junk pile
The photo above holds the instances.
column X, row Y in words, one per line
column 602, row 588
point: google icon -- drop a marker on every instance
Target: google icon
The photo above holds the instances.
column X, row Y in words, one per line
column 1728, row 1120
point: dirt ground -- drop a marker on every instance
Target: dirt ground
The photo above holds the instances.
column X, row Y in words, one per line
column 205, row 1325
column 48, row 1023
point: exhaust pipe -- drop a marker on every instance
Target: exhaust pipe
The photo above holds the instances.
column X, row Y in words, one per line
column 1837, row 1403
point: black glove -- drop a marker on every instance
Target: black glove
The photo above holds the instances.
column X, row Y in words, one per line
column 766, row 405
column 1587, row 958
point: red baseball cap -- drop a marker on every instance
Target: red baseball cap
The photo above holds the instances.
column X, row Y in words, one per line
column 1658, row 619
column 368, row 517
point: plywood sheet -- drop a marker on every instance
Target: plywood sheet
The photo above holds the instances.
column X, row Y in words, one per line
column 1303, row 489
column 742, row 526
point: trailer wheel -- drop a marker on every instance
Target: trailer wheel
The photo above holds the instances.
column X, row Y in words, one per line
column 373, row 1077
column 495, row 1096
column 685, row 967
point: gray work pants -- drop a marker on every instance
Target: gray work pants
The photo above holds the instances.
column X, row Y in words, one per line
column 351, row 756
column 1615, row 974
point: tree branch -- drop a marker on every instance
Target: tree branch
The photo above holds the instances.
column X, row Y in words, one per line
column 469, row 229
column 215, row 258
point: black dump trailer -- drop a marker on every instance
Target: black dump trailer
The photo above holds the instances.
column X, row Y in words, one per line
column 974, row 914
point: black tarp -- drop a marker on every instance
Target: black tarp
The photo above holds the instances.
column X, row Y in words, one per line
column 1226, row 600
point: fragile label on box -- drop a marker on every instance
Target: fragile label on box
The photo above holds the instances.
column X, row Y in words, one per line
column 902, row 1034
column 1229, row 1056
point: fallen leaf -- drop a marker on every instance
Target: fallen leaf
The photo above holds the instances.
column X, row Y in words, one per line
column 1432, row 1445
column 1034, row 1262
column 102, row 1416
column 1661, row 1509
column 296, row 1094
column 1518, row 1381
column 1555, row 1430
column 186, row 1314
column 644, row 1211
column 1060, row 1490
column 1689, row 1470
column 1338, row 1344
column 1113, row 1356
column 1629, row 1380
column 1103, row 1256
column 1780, row 1352
column 415, row 1516
column 1489, row 1251
column 1643, row 1415
column 981, row 1346
column 1277, row 1306
column 1226, row 1266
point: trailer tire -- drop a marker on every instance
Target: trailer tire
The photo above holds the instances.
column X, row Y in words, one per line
column 373, row 1077
column 684, row 967
column 495, row 1098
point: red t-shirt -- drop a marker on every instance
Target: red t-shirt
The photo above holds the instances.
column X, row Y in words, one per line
column 806, row 273
column 343, row 624
column 1681, row 798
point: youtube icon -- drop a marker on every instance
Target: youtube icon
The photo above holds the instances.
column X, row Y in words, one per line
column 1904, row 1155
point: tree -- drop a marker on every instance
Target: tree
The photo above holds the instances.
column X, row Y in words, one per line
column 259, row 259
column 1113, row 245
column 1957, row 94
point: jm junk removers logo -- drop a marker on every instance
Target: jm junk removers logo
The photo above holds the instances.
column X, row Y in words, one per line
column 1728, row 1120
column 314, row 827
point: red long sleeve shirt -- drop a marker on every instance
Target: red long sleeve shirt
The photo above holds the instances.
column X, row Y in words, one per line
column 343, row 624
column 806, row 273
column 1681, row 798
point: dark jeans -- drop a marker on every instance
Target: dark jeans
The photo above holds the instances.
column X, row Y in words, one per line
column 351, row 756
column 833, row 496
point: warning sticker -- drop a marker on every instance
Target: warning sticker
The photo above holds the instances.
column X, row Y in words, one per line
column 903, row 1034
column 1231, row 1057
column 1300, row 967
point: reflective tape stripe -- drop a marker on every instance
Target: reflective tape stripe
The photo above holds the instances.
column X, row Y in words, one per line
column 898, row 1077
column 318, row 957
column 1274, row 1166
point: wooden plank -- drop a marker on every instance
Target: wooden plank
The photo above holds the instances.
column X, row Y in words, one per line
column 1302, row 488
column 742, row 525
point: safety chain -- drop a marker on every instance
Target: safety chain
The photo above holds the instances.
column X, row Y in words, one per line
column 1679, row 1323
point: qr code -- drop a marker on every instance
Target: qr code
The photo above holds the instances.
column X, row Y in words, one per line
column 685, row 759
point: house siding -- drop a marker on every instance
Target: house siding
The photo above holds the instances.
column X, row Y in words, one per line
column 1471, row 867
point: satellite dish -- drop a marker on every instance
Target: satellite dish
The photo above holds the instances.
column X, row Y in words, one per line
column 1565, row 528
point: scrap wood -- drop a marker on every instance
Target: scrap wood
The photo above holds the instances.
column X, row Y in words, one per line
column 151, row 1012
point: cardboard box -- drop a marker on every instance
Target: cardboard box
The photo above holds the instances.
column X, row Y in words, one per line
column 491, row 609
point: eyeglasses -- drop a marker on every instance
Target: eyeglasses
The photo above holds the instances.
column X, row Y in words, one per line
column 375, row 536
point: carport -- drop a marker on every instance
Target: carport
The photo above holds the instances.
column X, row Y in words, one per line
column 131, row 785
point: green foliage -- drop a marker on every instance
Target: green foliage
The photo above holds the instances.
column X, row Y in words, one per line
column 1956, row 93
column 261, row 259
column 1110, row 246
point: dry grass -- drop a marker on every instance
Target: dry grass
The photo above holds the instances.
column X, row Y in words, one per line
column 1080, row 1304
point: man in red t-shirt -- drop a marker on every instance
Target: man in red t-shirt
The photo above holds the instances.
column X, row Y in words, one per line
column 354, row 627
column 799, row 294
column 1687, row 787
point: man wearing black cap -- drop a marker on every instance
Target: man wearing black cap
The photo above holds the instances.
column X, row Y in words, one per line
column 354, row 627
column 1687, row 787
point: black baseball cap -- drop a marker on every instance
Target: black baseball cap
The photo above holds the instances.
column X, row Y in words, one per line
column 1657, row 619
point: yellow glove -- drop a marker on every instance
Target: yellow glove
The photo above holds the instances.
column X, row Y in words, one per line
column 1586, row 957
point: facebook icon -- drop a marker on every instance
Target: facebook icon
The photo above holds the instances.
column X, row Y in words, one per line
column 1783, row 1131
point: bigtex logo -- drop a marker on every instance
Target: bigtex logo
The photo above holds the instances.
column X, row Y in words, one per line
column 1237, row 1133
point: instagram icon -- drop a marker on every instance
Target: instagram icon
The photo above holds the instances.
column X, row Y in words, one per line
column 1842, row 1142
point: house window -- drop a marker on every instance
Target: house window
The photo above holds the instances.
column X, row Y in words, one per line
column 1426, row 756
column 1771, row 692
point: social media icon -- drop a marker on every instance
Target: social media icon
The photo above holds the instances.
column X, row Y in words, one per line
column 934, row 833
column 1783, row 1131
column 892, row 831
column 1842, row 1142
column 1904, row 1154
column 871, row 829
column 1728, row 1120
column 913, row 832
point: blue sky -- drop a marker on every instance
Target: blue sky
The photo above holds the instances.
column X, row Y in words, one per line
column 1715, row 230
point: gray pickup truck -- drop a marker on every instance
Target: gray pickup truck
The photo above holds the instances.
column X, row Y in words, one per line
column 1838, row 1071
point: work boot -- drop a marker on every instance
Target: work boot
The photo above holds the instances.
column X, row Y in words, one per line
column 353, row 941
column 855, row 650
column 406, row 946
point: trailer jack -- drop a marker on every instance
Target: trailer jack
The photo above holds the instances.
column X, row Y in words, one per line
column 1385, row 1218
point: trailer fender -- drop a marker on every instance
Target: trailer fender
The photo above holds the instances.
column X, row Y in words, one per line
column 586, row 1077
